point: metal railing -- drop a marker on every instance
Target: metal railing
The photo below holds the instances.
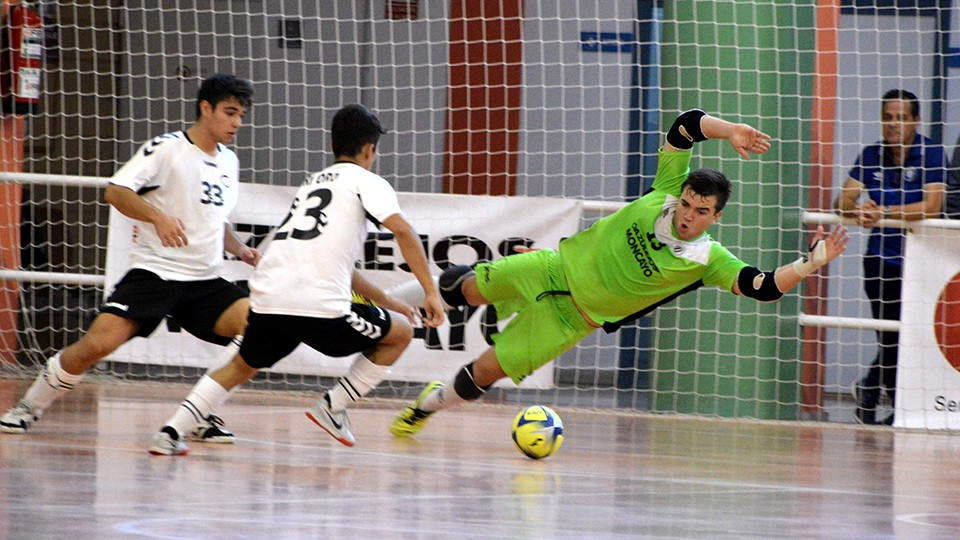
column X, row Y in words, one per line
column 829, row 321
column 62, row 278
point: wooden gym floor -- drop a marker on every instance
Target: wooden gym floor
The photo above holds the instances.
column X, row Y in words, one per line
column 83, row 472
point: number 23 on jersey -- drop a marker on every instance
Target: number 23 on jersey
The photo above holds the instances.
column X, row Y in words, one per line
column 306, row 218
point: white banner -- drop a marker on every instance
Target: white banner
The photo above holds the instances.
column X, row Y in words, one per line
column 928, row 374
column 455, row 228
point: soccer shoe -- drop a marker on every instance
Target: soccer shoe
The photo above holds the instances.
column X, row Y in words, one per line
column 335, row 423
column 18, row 418
column 412, row 419
column 167, row 443
column 211, row 431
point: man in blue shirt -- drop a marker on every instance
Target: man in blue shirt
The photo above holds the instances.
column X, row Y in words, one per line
column 904, row 178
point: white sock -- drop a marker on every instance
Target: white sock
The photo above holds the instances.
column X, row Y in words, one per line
column 206, row 396
column 443, row 397
column 363, row 377
column 50, row 384
column 229, row 351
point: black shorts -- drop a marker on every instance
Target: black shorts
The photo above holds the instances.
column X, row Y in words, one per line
column 146, row 298
column 269, row 338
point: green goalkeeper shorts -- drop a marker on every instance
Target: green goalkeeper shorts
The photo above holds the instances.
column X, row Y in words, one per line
column 547, row 323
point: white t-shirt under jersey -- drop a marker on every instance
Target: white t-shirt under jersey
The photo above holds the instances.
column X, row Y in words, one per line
column 308, row 267
column 184, row 182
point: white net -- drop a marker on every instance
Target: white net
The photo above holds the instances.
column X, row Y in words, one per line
column 550, row 100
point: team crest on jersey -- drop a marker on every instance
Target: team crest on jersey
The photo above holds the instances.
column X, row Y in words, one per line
column 909, row 175
column 225, row 180
column 878, row 177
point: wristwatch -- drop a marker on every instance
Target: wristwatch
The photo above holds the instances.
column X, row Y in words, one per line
column 886, row 212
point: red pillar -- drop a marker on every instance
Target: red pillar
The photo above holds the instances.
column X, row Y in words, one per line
column 484, row 97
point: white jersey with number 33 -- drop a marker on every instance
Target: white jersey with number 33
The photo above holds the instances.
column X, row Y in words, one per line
column 184, row 182
column 308, row 268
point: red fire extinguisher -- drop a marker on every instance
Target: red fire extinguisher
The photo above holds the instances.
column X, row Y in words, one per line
column 21, row 59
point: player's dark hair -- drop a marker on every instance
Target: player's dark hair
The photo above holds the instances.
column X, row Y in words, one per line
column 902, row 95
column 220, row 87
column 354, row 126
column 708, row 182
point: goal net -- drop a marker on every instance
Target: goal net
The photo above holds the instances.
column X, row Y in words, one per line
column 510, row 122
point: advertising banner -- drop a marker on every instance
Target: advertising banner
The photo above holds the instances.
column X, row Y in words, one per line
column 456, row 229
column 928, row 374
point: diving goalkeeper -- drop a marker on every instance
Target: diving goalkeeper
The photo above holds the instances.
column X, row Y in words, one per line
column 621, row 268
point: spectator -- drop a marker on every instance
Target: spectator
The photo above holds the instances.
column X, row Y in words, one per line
column 903, row 176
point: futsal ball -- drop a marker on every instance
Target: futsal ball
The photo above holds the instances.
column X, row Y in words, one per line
column 537, row 432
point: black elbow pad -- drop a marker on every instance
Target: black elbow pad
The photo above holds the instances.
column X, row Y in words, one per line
column 686, row 130
column 759, row 285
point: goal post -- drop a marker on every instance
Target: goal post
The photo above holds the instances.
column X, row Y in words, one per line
column 544, row 100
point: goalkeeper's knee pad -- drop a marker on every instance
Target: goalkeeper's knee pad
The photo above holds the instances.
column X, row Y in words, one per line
column 451, row 282
column 465, row 386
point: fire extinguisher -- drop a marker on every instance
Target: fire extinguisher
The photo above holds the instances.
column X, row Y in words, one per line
column 21, row 59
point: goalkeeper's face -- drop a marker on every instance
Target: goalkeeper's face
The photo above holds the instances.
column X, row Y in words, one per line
column 695, row 214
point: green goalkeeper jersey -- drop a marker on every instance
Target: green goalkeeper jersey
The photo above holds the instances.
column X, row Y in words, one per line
column 632, row 261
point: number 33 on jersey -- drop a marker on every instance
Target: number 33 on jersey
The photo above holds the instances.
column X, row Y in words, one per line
column 201, row 190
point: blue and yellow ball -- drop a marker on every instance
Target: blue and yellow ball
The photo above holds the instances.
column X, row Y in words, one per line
column 537, row 431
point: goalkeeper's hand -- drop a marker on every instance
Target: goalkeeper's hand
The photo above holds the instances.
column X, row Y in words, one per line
column 823, row 249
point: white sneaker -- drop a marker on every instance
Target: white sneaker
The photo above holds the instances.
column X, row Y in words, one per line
column 211, row 431
column 19, row 418
column 166, row 444
column 334, row 423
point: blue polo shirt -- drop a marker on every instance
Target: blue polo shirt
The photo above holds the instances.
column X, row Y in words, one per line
column 888, row 184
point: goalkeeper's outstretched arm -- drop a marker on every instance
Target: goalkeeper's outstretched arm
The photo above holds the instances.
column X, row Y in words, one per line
column 767, row 287
column 695, row 126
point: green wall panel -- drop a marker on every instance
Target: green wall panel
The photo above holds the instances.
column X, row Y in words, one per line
column 750, row 62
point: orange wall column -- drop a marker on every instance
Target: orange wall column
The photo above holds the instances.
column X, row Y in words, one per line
column 821, row 178
column 484, row 97
column 12, row 129
column 12, row 132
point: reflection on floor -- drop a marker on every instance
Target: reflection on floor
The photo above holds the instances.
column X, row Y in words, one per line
column 83, row 472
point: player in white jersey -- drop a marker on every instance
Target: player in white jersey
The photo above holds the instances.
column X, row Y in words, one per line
column 200, row 189
column 301, row 290
column 180, row 188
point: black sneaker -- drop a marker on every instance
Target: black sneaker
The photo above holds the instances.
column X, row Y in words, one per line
column 211, row 431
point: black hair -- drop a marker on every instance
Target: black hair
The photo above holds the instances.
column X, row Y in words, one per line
column 354, row 126
column 708, row 182
column 903, row 95
column 221, row 86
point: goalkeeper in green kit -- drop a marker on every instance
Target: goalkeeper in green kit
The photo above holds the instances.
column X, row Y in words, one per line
column 621, row 268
